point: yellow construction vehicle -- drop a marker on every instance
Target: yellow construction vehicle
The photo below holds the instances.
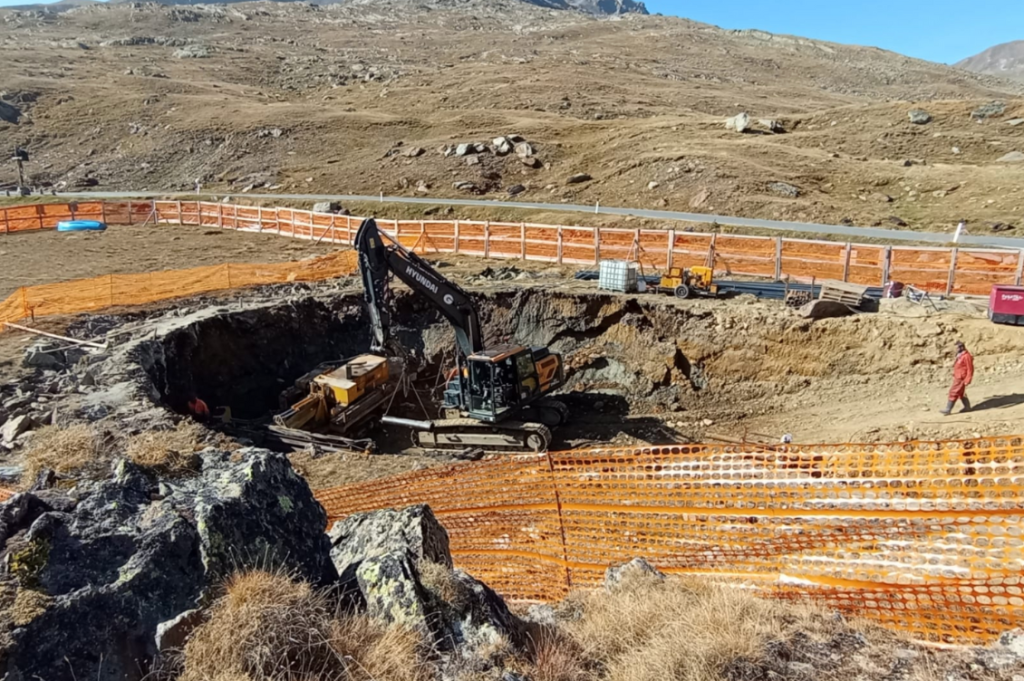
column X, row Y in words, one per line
column 337, row 402
column 686, row 282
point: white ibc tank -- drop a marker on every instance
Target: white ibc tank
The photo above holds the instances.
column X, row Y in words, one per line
column 617, row 275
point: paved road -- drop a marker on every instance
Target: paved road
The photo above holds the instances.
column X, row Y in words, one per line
column 852, row 233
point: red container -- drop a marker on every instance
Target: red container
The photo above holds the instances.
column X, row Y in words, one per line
column 1006, row 305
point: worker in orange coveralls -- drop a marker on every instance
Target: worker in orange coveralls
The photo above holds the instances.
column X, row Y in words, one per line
column 199, row 409
column 963, row 374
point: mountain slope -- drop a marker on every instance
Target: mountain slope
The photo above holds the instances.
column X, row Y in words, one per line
column 362, row 97
column 1005, row 60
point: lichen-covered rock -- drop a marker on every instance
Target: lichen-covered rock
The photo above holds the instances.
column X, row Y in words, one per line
column 263, row 507
column 638, row 567
column 114, row 560
column 392, row 591
column 413, row 531
column 479, row 619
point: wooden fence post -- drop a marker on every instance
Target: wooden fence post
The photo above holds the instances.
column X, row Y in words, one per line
column 487, row 238
column 103, row 211
column 259, row 218
column 456, row 237
column 671, row 247
column 333, row 239
column 886, row 261
column 778, row 258
column 711, row 251
column 181, row 219
column 560, row 247
column 597, row 245
column 1020, row 268
column 952, row 270
column 846, row 262
column 131, row 213
column 277, row 219
column 522, row 241
column 220, row 215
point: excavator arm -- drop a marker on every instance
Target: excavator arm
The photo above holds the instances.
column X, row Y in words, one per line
column 379, row 257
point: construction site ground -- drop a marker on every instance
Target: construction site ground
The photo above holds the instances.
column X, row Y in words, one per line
column 872, row 377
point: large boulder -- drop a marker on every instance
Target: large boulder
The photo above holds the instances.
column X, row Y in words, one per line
column 9, row 113
column 109, row 562
column 413, row 532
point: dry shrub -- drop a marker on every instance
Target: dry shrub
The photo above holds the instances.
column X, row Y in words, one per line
column 168, row 452
column 75, row 451
column 558, row 658
column 649, row 630
column 268, row 627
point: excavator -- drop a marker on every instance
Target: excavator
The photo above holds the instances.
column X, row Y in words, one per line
column 497, row 397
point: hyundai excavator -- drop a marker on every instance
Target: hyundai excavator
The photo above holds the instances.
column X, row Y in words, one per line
column 496, row 398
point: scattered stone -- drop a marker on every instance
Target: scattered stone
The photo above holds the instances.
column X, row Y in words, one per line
column 988, row 111
column 906, row 163
column 502, row 146
column 479, row 148
column 1002, row 227
column 784, row 189
column 413, row 152
column 542, row 613
column 524, row 150
column 192, row 52
column 15, row 427
column 899, row 222
column 578, row 178
column 1012, row 157
column 824, row 309
column 1015, row 122
column 653, row 184
column 9, row 113
column 956, row 151
column 772, row 125
column 174, row 633
column 615, row 574
column 879, row 197
column 422, row 187
column 516, row 189
column 465, row 186
column 472, row 160
column 464, row 149
column 739, row 122
column 327, row 207
column 530, row 161
column 920, row 117
column 43, row 360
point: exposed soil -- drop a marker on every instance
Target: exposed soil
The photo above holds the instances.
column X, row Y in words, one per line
column 639, row 370
column 32, row 258
column 319, row 99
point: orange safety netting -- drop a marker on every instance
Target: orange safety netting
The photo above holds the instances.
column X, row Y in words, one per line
column 949, row 270
column 112, row 290
column 924, row 536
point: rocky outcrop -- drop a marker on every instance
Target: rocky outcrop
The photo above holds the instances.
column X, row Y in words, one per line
column 399, row 563
column 616, row 575
column 113, row 560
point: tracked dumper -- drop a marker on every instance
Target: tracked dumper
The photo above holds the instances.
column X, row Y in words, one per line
column 496, row 398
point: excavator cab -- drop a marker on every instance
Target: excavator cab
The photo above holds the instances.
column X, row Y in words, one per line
column 502, row 380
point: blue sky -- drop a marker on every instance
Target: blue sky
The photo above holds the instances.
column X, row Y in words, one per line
column 940, row 30
column 945, row 31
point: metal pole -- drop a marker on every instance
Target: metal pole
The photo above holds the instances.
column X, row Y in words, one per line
column 522, row 241
column 778, row 258
column 1020, row 268
column 597, row 245
column 487, row 238
column 886, row 260
column 560, row 247
column 671, row 247
column 456, row 236
column 846, row 263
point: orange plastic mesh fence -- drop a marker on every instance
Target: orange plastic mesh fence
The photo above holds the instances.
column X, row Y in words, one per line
column 84, row 295
column 924, row 536
column 937, row 269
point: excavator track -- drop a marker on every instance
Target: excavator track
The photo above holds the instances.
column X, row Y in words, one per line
column 551, row 412
column 447, row 435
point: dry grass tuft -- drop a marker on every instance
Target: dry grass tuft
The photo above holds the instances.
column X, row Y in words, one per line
column 28, row 605
column 440, row 581
column 646, row 630
column 168, row 452
column 267, row 627
column 73, row 451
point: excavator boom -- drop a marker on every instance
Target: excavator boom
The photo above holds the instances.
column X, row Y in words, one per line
column 377, row 260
